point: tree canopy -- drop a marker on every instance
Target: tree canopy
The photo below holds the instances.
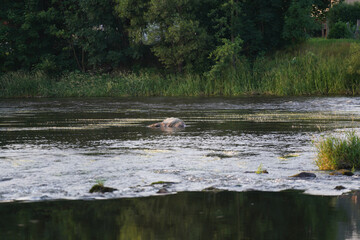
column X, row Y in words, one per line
column 181, row 36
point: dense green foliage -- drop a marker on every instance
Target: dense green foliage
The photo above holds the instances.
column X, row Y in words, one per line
column 316, row 67
column 106, row 35
column 342, row 20
column 340, row 30
column 173, row 48
column 343, row 12
column 55, row 36
column 297, row 24
column 338, row 153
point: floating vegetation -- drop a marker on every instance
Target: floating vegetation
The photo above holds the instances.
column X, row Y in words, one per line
column 279, row 116
column 162, row 183
column 260, row 170
column 288, row 156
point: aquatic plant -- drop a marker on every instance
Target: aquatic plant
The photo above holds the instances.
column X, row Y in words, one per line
column 100, row 182
column 288, row 156
column 260, row 169
column 335, row 153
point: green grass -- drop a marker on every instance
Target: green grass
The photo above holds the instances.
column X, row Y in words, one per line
column 317, row 67
column 335, row 153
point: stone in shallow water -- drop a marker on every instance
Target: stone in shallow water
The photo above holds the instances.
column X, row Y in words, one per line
column 169, row 123
column 162, row 191
column 304, row 175
column 102, row 189
column 342, row 172
column 258, row 172
column 340, row 188
column 213, row 189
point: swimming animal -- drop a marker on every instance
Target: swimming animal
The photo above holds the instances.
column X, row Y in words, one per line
column 169, row 123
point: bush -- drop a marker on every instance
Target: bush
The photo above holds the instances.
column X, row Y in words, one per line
column 344, row 13
column 338, row 153
column 340, row 30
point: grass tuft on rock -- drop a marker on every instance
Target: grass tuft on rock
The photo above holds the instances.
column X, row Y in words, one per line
column 100, row 188
column 334, row 153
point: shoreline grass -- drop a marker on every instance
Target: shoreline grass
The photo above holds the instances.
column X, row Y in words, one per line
column 334, row 153
column 317, row 67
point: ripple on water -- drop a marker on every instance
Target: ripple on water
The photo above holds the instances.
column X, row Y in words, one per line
column 52, row 149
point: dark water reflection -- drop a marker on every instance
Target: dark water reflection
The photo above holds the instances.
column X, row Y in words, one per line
column 187, row 215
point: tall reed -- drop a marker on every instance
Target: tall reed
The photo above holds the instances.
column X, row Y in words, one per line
column 21, row 84
column 318, row 67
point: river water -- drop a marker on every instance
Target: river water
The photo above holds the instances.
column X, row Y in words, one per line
column 56, row 149
column 59, row 148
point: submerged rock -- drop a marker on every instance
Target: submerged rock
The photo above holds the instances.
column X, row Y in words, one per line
column 162, row 191
column 169, row 123
column 258, row 172
column 213, row 189
column 101, row 189
column 339, row 188
column 304, row 175
column 162, row 183
column 342, row 172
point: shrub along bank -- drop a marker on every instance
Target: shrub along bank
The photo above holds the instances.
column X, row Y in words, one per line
column 316, row 67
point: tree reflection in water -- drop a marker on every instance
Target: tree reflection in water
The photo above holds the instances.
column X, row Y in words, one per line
column 187, row 215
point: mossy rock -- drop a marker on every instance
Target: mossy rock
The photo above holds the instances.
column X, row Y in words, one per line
column 342, row 172
column 99, row 188
column 304, row 175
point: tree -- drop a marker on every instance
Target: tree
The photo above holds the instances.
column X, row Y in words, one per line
column 173, row 30
column 26, row 39
column 298, row 22
column 343, row 12
column 175, row 33
column 94, row 34
column 227, row 26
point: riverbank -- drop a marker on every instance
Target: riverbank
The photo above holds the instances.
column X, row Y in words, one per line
column 317, row 67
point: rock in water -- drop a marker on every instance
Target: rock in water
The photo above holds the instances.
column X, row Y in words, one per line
column 162, row 191
column 304, row 175
column 342, row 172
column 169, row 123
column 339, row 188
column 101, row 189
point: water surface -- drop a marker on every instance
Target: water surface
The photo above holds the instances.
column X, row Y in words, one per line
column 187, row 215
column 58, row 148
